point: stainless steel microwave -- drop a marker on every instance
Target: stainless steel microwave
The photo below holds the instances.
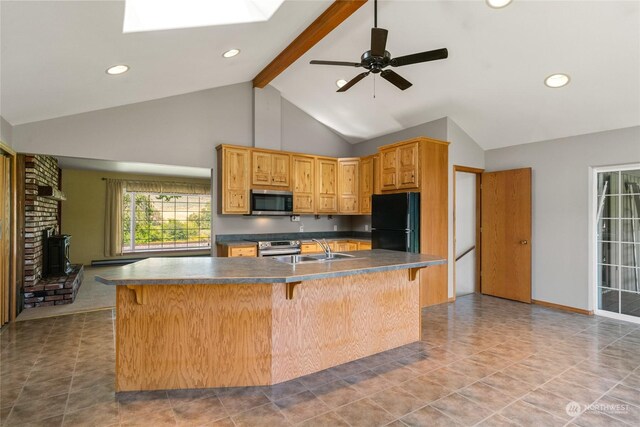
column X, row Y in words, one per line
column 271, row 202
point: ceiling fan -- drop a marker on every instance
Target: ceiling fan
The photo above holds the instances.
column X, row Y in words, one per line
column 377, row 59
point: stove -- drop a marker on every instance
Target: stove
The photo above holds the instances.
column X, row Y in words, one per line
column 277, row 247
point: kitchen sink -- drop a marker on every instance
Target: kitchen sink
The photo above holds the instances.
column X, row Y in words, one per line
column 304, row 259
column 334, row 256
column 294, row 259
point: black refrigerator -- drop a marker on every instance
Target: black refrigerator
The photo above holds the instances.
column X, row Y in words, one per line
column 395, row 222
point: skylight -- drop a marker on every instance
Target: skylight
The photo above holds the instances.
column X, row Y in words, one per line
column 151, row 15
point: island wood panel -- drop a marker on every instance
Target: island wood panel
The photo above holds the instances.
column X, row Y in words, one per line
column 333, row 321
column 194, row 336
column 202, row 336
column 434, row 219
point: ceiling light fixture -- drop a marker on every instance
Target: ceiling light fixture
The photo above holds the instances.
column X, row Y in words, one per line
column 341, row 82
column 231, row 53
column 498, row 4
column 557, row 80
column 117, row 69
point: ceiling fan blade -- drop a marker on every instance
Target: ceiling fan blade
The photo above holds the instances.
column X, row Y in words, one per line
column 353, row 81
column 416, row 58
column 347, row 64
column 378, row 41
column 396, row 79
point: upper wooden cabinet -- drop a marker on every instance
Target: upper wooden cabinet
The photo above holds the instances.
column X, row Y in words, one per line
column 348, row 185
column 327, row 185
column 233, row 180
column 400, row 167
column 303, row 184
column 366, row 183
column 270, row 169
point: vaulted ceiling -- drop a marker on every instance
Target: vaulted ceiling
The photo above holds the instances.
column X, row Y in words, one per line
column 54, row 55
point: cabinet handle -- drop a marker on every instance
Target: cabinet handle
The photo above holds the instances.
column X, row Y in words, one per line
column 523, row 242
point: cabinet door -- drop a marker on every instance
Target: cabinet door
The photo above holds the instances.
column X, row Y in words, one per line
column 362, row 246
column 408, row 166
column 366, row 184
column 260, row 168
column 388, row 169
column 309, row 248
column 280, row 170
column 327, row 181
column 235, row 181
column 348, row 172
column 303, row 188
column 243, row 251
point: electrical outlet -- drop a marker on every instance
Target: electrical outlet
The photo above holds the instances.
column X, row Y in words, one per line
column 295, row 218
column 335, row 228
column 366, row 227
column 301, row 228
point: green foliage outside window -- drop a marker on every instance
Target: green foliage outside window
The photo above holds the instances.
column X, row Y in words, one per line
column 164, row 221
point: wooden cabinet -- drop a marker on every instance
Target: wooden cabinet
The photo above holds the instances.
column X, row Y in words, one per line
column 408, row 171
column 348, row 184
column 310, row 248
column 364, row 246
column 248, row 250
column 270, row 169
column 233, row 180
column 303, row 184
column 366, row 184
column 400, row 167
column 335, row 245
column 388, row 169
column 327, row 185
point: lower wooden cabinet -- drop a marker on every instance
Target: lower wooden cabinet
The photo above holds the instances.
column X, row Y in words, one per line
column 336, row 246
column 248, row 250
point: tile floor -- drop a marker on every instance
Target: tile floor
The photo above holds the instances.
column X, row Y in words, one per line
column 483, row 361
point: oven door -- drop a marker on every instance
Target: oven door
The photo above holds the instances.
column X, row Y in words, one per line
column 277, row 252
column 271, row 202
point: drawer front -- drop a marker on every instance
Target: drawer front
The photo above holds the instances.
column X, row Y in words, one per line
column 364, row 246
column 243, row 251
column 310, row 248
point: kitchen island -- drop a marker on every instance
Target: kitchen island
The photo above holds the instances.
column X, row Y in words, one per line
column 223, row 322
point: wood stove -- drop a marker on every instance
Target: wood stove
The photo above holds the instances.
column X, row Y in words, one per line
column 56, row 259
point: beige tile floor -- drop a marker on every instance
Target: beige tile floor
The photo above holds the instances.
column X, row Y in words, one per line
column 483, row 361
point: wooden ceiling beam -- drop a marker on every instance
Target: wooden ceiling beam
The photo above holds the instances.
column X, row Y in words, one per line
column 335, row 14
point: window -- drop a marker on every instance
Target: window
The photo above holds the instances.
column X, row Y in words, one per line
column 165, row 222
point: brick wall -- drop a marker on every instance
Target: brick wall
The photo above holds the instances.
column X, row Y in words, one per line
column 41, row 213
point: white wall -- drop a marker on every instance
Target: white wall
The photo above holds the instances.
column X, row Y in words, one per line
column 561, row 168
column 436, row 129
column 302, row 133
column 179, row 130
column 465, row 226
column 6, row 132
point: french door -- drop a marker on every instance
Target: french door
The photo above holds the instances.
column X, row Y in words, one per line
column 617, row 241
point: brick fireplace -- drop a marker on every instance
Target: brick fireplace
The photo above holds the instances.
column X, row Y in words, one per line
column 42, row 213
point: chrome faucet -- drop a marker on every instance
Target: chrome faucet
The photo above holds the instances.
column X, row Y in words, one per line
column 325, row 247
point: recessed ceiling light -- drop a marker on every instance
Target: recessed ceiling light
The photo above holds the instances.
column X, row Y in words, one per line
column 117, row 69
column 341, row 82
column 557, row 80
column 231, row 53
column 498, row 4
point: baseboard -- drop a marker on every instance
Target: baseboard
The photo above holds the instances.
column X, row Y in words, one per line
column 563, row 307
column 452, row 299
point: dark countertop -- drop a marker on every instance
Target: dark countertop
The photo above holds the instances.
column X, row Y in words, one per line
column 211, row 271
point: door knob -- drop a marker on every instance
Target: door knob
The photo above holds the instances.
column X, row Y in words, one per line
column 523, row 242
